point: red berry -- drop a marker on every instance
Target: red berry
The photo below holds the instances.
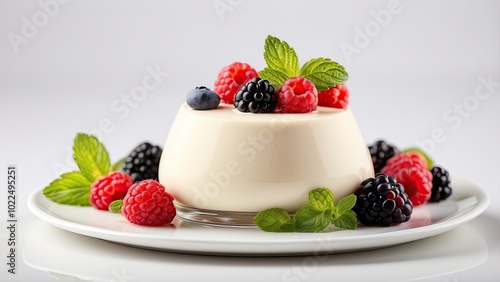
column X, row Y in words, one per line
column 410, row 169
column 334, row 97
column 108, row 188
column 147, row 203
column 230, row 78
column 297, row 95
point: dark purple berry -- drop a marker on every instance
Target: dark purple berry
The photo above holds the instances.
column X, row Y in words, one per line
column 256, row 96
column 381, row 152
column 382, row 201
column 143, row 162
column 202, row 98
column 441, row 184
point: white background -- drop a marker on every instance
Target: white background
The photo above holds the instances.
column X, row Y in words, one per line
column 408, row 77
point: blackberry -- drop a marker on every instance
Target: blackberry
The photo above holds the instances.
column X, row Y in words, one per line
column 256, row 96
column 143, row 162
column 382, row 201
column 441, row 184
column 381, row 152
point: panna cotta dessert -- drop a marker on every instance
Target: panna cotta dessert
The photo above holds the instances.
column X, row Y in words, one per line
column 225, row 160
column 262, row 140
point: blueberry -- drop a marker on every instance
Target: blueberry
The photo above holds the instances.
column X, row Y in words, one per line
column 202, row 98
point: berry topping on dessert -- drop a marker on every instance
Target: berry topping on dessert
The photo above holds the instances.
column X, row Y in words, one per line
column 441, row 184
column 256, row 96
column 230, row 78
column 143, row 162
column 410, row 169
column 382, row 201
column 108, row 188
column 202, row 98
column 147, row 203
column 381, row 152
column 334, row 97
column 297, row 95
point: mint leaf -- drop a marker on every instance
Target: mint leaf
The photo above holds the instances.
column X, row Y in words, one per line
column 309, row 219
column 118, row 165
column 321, row 199
column 324, row 73
column 287, row 226
column 280, row 57
column 346, row 220
column 276, row 78
column 72, row 188
column 346, row 203
column 115, row 206
column 271, row 220
column 91, row 156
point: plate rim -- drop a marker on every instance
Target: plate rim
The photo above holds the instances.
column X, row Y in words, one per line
column 402, row 235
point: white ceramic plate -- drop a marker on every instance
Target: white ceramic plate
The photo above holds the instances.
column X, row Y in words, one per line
column 467, row 202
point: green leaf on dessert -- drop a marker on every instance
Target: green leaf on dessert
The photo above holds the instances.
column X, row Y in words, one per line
column 115, row 206
column 118, row 165
column 280, row 57
column 321, row 199
column 324, row 73
column 72, row 188
column 346, row 203
column 91, row 156
column 276, row 78
column 429, row 160
column 309, row 219
column 287, row 226
column 271, row 220
column 346, row 220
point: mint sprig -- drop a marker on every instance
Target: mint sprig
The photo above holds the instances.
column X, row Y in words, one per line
column 315, row 216
column 92, row 159
column 91, row 156
column 71, row 188
column 283, row 63
column 324, row 73
column 115, row 206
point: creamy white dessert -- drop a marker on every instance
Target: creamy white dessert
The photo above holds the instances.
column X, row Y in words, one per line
column 225, row 160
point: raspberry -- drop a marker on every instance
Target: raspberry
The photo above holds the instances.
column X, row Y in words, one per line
column 256, row 96
column 147, row 203
column 230, row 78
column 108, row 188
column 382, row 201
column 297, row 95
column 143, row 162
column 381, row 152
column 441, row 187
column 410, row 169
column 334, row 97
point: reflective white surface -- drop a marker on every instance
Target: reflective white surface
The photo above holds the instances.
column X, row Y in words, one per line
column 467, row 253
